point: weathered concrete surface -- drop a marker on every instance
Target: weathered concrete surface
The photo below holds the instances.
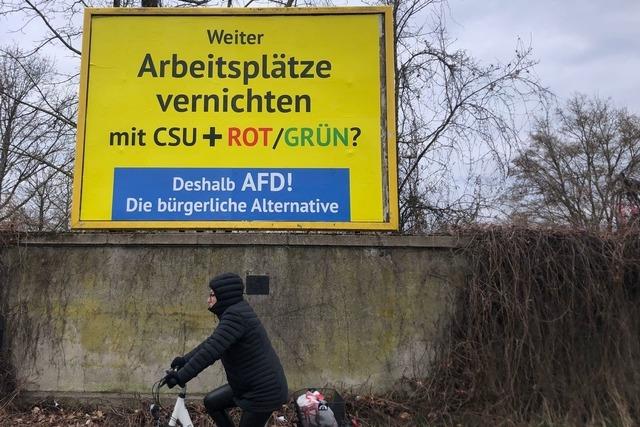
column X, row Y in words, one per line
column 106, row 312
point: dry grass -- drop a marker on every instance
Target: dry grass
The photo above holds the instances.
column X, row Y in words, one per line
column 545, row 331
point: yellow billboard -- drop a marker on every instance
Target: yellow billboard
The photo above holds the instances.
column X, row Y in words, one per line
column 237, row 118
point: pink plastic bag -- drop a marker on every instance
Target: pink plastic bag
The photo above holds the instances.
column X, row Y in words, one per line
column 308, row 404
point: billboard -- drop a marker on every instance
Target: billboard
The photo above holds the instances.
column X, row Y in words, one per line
column 236, row 118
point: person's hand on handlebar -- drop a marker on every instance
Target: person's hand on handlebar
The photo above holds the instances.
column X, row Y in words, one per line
column 172, row 379
column 178, row 363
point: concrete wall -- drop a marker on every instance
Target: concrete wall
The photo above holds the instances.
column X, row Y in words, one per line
column 106, row 312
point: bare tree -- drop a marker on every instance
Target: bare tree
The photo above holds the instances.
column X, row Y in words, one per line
column 34, row 134
column 455, row 116
column 579, row 166
column 49, row 207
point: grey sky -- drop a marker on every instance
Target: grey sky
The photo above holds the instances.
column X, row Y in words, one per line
column 588, row 46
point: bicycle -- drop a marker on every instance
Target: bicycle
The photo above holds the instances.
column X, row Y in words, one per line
column 180, row 412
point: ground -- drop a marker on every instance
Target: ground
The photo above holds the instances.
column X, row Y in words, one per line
column 361, row 412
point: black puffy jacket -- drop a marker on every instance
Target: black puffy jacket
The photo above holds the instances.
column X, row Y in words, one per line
column 240, row 341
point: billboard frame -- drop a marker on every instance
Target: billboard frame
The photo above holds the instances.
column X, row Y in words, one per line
column 389, row 182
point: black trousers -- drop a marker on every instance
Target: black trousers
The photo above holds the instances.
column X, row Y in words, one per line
column 219, row 400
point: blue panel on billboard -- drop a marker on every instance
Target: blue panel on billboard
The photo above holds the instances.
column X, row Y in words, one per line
column 231, row 194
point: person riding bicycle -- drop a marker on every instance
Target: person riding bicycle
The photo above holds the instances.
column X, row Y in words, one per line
column 257, row 383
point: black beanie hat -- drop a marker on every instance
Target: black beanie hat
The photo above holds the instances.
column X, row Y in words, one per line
column 228, row 288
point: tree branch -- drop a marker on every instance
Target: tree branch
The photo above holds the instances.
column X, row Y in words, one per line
column 53, row 30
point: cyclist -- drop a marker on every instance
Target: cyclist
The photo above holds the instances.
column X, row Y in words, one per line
column 257, row 383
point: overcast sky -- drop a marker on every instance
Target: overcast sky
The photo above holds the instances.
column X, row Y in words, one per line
column 588, row 46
